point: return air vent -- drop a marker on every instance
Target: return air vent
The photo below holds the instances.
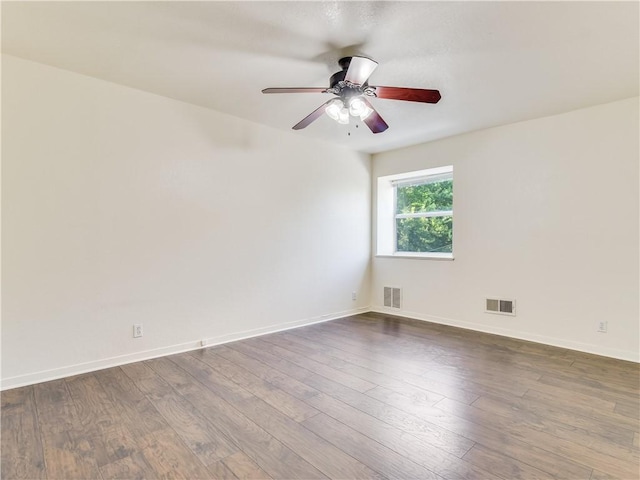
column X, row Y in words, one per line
column 392, row 297
column 501, row 306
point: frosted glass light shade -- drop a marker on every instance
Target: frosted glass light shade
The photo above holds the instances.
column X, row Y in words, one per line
column 333, row 108
column 358, row 108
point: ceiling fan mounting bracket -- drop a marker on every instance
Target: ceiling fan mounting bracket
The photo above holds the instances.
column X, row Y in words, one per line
column 344, row 63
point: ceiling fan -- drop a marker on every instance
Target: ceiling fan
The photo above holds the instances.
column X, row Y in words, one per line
column 351, row 87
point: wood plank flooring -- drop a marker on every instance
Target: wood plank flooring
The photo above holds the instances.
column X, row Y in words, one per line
column 369, row 396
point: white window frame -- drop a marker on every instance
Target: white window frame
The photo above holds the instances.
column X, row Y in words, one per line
column 386, row 236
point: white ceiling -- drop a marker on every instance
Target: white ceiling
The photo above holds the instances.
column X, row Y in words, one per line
column 493, row 62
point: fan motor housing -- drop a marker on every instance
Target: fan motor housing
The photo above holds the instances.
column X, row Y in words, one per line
column 337, row 77
column 342, row 88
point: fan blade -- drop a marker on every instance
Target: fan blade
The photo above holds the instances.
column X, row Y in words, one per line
column 374, row 121
column 408, row 94
column 295, row 90
column 312, row 117
column 360, row 69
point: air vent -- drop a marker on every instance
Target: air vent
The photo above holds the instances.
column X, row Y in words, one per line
column 392, row 297
column 501, row 306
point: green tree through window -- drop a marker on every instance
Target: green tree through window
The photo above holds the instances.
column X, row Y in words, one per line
column 424, row 216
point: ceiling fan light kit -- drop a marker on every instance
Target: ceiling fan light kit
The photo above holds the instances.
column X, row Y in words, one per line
column 337, row 110
column 351, row 87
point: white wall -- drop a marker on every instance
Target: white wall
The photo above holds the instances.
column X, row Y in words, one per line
column 546, row 212
column 123, row 207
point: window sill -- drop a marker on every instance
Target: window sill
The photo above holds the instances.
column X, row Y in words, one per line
column 419, row 256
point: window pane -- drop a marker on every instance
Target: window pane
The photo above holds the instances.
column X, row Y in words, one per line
column 424, row 234
column 428, row 197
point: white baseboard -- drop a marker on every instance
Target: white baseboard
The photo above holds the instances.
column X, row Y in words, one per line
column 531, row 337
column 67, row 371
column 61, row 372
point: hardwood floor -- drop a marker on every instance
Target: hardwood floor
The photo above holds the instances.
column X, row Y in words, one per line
column 362, row 397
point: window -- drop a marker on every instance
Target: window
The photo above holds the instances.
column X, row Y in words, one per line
column 415, row 214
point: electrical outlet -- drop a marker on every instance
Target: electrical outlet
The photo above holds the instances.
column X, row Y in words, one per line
column 354, row 296
column 602, row 326
column 137, row 330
